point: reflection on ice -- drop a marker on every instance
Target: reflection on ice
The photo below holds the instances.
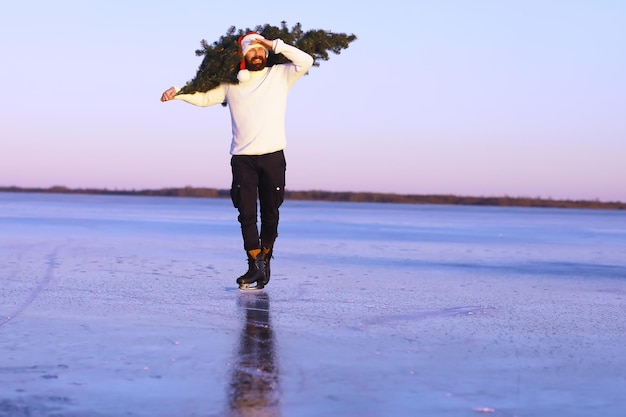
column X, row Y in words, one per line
column 254, row 379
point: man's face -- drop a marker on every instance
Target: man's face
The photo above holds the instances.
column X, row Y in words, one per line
column 255, row 59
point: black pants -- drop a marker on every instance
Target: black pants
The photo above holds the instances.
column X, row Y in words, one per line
column 262, row 177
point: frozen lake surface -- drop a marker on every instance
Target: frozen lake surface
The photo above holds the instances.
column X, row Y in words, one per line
column 127, row 306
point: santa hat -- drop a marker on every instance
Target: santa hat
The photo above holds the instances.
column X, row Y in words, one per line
column 245, row 44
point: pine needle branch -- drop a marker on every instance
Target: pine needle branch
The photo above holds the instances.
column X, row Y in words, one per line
column 221, row 59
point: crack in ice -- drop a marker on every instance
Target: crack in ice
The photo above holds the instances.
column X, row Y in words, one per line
column 35, row 292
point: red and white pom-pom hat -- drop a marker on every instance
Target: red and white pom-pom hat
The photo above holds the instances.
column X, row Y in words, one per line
column 245, row 44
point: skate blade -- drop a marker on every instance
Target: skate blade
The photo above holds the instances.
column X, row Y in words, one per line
column 248, row 288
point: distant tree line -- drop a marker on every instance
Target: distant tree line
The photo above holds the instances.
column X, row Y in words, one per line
column 362, row 197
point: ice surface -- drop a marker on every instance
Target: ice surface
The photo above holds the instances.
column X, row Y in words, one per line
column 127, row 306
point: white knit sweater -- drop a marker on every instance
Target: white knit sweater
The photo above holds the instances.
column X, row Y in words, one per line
column 258, row 106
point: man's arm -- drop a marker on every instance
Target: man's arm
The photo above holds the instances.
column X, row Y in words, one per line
column 214, row 96
column 299, row 58
column 302, row 61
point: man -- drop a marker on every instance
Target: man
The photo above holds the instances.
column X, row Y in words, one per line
column 257, row 109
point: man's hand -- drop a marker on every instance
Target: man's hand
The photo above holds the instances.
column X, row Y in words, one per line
column 168, row 94
column 266, row 43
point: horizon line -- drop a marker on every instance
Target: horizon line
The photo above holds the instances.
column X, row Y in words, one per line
column 325, row 195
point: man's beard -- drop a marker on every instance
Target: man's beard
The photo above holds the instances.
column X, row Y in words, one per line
column 258, row 64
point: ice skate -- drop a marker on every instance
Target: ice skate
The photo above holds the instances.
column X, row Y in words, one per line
column 267, row 257
column 255, row 274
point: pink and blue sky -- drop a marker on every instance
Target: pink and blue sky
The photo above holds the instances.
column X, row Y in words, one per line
column 483, row 98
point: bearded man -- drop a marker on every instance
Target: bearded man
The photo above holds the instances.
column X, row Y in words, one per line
column 257, row 106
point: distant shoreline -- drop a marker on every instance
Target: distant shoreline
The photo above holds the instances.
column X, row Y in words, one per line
column 364, row 197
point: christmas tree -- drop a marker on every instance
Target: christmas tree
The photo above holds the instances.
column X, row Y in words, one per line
column 222, row 58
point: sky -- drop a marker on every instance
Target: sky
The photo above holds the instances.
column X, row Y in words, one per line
column 474, row 98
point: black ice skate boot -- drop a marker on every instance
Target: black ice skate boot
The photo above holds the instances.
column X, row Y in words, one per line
column 267, row 257
column 256, row 271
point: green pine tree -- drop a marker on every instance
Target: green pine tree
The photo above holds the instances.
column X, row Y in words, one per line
column 222, row 58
